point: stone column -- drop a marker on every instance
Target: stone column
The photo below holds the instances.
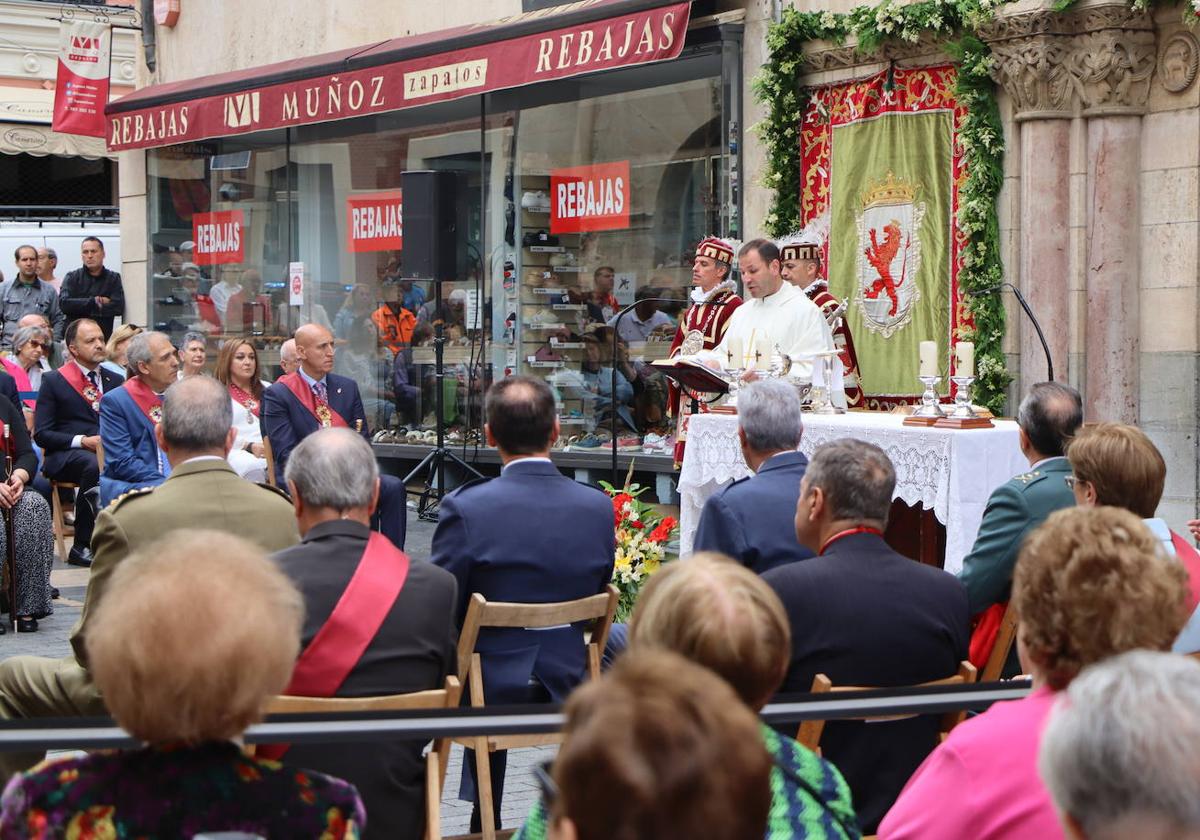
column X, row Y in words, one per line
column 1112, row 65
column 1029, row 53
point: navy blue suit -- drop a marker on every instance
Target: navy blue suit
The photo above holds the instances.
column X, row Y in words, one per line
column 60, row 414
column 533, row 536
column 753, row 520
column 864, row 615
column 287, row 422
column 132, row 459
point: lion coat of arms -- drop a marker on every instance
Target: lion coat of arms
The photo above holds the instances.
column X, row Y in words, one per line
column 890, row 254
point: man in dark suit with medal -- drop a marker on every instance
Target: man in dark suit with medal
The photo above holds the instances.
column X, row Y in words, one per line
column 67, row 423
column 313, row 398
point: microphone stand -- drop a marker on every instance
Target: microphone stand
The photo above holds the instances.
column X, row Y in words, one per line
column 616, row 323
column 1033, row 318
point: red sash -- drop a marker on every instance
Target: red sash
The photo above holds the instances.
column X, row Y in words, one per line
column 340, row 643
column 295, row 383
column 74, row 376
column 149, row 402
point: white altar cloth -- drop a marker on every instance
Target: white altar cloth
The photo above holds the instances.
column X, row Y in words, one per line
column 949, row 472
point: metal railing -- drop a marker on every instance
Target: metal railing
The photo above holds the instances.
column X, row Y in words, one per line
column 102, row 733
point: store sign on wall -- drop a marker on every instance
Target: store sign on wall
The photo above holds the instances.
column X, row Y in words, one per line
column 374, row 222
column 590, row 197
column 218, row 237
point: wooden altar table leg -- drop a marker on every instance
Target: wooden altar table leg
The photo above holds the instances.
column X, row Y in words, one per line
column 916, row 533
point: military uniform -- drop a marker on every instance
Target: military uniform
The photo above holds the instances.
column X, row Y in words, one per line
column 1014, row 509
column 200, row 493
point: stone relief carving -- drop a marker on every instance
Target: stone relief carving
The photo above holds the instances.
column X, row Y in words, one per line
column 1179, row 62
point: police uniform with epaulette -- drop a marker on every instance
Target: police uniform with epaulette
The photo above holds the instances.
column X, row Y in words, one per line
column 201, row 492
column 1014, row 509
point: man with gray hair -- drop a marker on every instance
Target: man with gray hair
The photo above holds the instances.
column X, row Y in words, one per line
column 751, row 520
column 405, row 618
column 202, row 491
column 864, row 615
column 1121, row 752
column 129, row 417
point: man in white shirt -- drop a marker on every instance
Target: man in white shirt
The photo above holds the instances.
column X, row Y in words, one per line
column 635, row 328
column 778, row 317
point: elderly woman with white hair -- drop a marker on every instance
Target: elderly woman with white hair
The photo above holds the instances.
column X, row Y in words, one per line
column 186, row 659
column 26, row 363
column 1121, row 753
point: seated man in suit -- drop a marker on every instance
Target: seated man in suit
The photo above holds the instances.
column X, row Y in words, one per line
column 67, row 424
column 196, row 434
column 407, row 615
column 751, row 519
column 532, row 535
column 129, row 418
column 313, row 398
column 864, row 615
column 1048, row 418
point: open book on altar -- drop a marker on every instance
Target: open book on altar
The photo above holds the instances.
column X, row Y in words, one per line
column 692, row 374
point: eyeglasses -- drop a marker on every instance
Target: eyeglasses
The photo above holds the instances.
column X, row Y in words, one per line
column 1071, row 482
column 541, row 772
column 37, row 344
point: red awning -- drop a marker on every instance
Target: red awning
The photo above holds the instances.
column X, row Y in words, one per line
column 570, row 40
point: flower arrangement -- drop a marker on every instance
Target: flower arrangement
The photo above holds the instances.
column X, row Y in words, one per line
column 981, row 137
column 642, row 537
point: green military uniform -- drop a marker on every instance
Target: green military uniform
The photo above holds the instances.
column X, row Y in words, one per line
column 1014, row 509
column 200, row 493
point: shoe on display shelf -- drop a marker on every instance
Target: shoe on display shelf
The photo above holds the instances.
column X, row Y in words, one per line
column 535, row 200
column 655, row 444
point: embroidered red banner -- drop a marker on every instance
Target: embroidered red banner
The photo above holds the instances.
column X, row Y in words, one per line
column 364, row 83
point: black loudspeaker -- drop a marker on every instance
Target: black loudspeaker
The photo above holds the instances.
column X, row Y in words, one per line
column 434, row 225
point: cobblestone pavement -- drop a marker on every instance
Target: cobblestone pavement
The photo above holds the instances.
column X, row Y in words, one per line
column 520, row 789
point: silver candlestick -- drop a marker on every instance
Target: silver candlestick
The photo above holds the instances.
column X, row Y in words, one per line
column 929, row 412
column 962, row 397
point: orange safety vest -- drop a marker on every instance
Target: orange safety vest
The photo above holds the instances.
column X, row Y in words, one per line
column 395, row 328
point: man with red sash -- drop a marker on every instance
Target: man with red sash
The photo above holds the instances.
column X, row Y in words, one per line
column 129, row 418
column 800, row 264
column 374, row 623
column 67, row 423
column 314, row 398
column 703, row 325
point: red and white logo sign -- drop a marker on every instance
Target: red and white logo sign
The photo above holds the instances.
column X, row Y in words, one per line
column 590, row 197
column 219, row 237
column 374, row 222
column 81, row 88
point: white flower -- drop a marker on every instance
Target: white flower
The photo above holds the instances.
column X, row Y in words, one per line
column 829, row 20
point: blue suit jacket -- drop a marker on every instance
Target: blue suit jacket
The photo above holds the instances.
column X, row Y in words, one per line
column 287, row 422
column 534, row 536
column 753, row 520
column 131, row 457
column 62, row 413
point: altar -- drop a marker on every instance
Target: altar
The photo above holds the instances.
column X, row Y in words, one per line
column 950, row 473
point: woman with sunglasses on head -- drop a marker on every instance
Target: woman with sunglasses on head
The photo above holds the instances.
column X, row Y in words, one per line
column 117, row 346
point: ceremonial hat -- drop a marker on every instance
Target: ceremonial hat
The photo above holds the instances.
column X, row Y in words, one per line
column 713, row 247
column 797, row 246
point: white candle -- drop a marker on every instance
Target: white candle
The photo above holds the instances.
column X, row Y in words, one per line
column 929, row 363
column 964, row 358
column 762, row 352
column 737, row 355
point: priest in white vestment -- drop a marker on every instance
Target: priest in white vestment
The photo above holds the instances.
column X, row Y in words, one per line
column 777, row 317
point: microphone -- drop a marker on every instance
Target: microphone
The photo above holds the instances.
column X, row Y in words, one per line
column 1028, row 311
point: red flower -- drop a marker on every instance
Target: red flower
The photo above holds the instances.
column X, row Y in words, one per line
column 662, row 533
column 636, row 525
column 620, row 500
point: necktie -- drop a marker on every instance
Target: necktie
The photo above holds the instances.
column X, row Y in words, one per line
column 94, row 379
column 318, row 389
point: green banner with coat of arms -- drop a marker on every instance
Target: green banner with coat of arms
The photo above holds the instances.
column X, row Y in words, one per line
column 889, row 248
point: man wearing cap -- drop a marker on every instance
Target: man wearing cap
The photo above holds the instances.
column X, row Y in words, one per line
column 703, row 325
column 800, row 265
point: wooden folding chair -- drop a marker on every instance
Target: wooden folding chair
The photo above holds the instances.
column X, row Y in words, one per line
column 482, row 613
column 810, row 730
column 438, row 755
column 61, row 529
column 270, row 457
column 1005, row 637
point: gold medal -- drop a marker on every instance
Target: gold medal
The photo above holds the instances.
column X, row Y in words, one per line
column 92, row 396
column 324, row 415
